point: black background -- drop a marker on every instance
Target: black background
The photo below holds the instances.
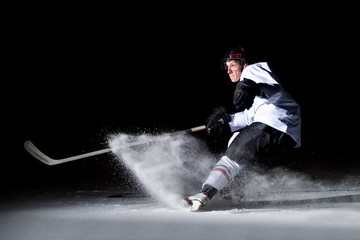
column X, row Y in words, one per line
column 77, row 75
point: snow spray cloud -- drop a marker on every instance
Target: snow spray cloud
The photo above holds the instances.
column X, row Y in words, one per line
column 168, row 168
column 174, row 166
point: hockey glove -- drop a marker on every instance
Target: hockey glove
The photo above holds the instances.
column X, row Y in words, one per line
column 244, row 94
column 217, row 122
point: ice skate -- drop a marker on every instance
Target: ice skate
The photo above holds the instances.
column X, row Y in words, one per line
column 235, row 195
column 195, row 202
column 234, row 191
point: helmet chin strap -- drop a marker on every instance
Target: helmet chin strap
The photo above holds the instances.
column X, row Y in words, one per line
column 242, row 68
column 242, row 65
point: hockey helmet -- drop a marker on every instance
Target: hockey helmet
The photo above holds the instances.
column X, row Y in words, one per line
column 236, row 53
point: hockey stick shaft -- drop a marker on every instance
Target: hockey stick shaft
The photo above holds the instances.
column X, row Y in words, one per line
column 35, row 152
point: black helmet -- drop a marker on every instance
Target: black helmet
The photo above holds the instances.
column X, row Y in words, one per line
column 236, row 53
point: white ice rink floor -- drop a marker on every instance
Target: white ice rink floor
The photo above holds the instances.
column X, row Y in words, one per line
column 111, row 214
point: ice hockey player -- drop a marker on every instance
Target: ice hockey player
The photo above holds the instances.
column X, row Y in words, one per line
column 267, row 123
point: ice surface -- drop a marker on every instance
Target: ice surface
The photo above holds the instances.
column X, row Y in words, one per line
column 92, row 215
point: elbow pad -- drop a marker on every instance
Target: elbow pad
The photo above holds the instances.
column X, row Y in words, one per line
column 245, row 93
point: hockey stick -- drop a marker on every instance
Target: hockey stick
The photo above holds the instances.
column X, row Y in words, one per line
column 35, row 152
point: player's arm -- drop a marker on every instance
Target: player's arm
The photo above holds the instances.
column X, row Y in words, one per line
column 244, row 94
column 247, row 89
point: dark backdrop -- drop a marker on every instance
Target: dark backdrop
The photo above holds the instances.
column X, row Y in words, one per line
column 75, row 79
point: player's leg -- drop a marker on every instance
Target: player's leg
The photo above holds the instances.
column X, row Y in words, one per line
column 242, row 148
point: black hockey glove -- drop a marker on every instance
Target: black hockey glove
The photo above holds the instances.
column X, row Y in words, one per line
column 217, row 122
column 244, row 94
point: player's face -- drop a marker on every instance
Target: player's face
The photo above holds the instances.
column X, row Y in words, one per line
column 234, row 70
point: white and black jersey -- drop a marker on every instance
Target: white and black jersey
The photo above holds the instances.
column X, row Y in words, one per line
column 273, row 107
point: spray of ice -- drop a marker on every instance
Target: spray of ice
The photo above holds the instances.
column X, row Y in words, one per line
column 168, row 168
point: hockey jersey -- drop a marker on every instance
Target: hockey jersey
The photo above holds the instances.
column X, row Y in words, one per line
column 274, row 107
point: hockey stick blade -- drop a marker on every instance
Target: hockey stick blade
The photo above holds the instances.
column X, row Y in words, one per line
column 35, row 152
